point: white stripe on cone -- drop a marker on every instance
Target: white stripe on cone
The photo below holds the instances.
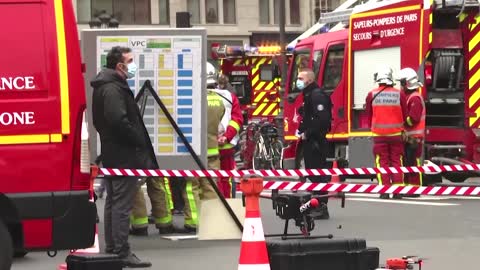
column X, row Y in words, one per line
column 253, row 230
column 254, row 267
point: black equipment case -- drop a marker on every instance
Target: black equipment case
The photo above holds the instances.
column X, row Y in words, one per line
column 310, row 253
column 93, row 262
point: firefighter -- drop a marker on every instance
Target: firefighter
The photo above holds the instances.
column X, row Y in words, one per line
column 161, row 214
column 316, row 122
column 198, row 189
column 229, row 134
column 386, row 110
column 414, row 124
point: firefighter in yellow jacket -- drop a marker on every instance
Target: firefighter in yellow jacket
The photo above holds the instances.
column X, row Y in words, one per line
column 198, row 189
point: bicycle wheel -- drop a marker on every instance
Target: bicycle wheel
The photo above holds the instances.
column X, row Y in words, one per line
column 276, row 149
column 260, row 161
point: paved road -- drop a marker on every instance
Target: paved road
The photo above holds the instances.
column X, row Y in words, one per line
column 444, row 230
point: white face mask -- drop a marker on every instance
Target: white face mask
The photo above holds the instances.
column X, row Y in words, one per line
column 131, row 70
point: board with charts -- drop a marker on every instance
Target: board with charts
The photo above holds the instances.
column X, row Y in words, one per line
column 173, row 65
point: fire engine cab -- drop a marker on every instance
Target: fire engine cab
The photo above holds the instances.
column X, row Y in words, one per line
column 254, row 75
column 45, row 183
column 440, row 39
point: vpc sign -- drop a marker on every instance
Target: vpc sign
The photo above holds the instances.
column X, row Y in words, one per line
column 17, row 83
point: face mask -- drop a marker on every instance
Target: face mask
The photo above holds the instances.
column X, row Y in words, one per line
column 300, row 84
column 131, row 70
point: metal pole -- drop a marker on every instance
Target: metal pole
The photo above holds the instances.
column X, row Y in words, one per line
column 283, row 64
column 148, row 87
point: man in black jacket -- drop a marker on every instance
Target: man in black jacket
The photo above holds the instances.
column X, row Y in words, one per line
column 125, row 143
column 316, row 121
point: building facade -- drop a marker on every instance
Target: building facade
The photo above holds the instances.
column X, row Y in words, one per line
column 235, row 22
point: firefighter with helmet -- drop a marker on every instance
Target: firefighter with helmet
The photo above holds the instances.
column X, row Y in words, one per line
column 199, row 189
column 414, row 123
column 386, row 111
column 228, row 134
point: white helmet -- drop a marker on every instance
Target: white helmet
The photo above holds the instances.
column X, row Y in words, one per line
column 384, row 75
column 211, row 75
column 409, row 79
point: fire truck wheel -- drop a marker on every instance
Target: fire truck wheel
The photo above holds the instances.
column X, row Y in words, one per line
column 6, row 246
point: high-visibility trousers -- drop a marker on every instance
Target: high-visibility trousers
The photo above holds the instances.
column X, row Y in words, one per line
column 160, row 208
column 196, row 190
column 227, row 162
column 389, row 154
column 413, row 157
column 174, row 187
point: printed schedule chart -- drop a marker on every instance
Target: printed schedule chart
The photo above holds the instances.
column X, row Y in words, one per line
column 173, row 66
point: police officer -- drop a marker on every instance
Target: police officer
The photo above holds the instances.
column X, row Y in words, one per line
column 317, row 116
column 414, row 124
column 386, row 110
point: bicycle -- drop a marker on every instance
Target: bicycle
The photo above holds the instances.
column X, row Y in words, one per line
column 268, row 152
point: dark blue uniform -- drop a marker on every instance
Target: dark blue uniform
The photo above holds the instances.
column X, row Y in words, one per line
column 317, row 116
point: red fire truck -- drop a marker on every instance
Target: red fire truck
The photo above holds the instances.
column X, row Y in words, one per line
column 440, row 38
column 45, row 185
column 254, row 76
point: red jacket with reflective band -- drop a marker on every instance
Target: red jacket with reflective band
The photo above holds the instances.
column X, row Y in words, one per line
column 415, row 123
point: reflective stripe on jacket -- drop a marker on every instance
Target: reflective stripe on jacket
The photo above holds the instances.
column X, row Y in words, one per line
column 416, row 130
column 387, row 115
column 215, row 112
column 232, row 118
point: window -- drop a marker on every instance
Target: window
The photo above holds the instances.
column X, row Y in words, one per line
column 333, row 68
column 193, row 7
column 264, row 12
column 276, row 11
column 164, row 13
column 269, row 11
column 125, row 11
column 212, row 11
column 211, row 8
column 301, row 61
column 266, row 72
column 229, row 12
column 294, row 11
column 317, row 61
column 84, row 11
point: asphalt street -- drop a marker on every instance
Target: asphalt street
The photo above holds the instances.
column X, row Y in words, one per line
column 443, row 230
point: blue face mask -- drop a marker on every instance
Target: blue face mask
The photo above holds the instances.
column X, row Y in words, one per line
column 300, row 84
column 131, row 70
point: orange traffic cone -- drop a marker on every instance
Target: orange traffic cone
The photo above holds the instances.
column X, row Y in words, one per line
column 253, row 249
column 335, row 180
column 96, row 246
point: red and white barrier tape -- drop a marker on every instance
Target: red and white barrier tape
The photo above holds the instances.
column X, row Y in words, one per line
column 364, row 188
column 287, row 173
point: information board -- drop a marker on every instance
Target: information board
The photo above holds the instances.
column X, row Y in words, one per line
column 172, row 60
